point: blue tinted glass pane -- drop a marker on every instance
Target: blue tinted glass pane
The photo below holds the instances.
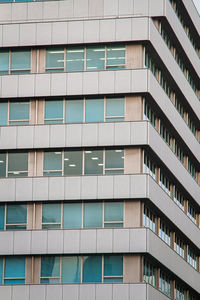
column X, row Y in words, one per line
column 19, row 111
column 55, row 58
column 75, row 59
column 50, row 266
column 113, row 211
column 94, row 110
column 92, row 215
column 2, row 165
column 1, row 270
column 3, row 112
column 113, row 279
column 54, row 109
column 50, row 280
column 115, row 55
column 21, row 59
column 113, row 265
column 114, row 107
column 2, row 215
column 4, row 62
column 71, row 269
column 73, row 162
column 92, row 268
column 72, row 215
column 15, row 267
column 93, row 162
column 95, row 58
column 74, row 111
column 16, row 214
column 17, row 161
column 114, row 158
column 53, row 160
column 51, row 213
column 14, row 281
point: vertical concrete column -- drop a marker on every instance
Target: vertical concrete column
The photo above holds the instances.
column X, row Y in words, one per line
column 30, row 216
column 172, row 289
column 28, row 271
column 133, row 213
column 31, row 163
column 36, row 269
column 157, row 277
column 32, row 112
column 132, row 268
column 38, row 216
column 172, row 235
column 33, row 61
column 133, row 161
column 40, row 106
column 39, row 163
column 134, row 56
column 41, row 57
column 133, row 108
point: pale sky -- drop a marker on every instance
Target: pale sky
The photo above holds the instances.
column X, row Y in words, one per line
column 197, row 3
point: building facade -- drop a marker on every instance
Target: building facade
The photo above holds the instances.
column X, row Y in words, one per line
column 99, row 150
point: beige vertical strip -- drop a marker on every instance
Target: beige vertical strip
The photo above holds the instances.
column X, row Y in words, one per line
column 41, row 61
column 132, row 268
column 38, row 216
column 132, row 161
column 36, row 269
column 134, row 56
column 28, row 272
column 132, row 214
column 30, row 216
column 40, row 111
column 39, row 163
column 32, row 112
column 134, row 108
column 33, row 61
column 31, row 163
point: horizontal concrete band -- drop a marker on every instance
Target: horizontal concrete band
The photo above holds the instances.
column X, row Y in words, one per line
column 95, row 135
column 98, row 241
column 138, row 186
column 137, row 291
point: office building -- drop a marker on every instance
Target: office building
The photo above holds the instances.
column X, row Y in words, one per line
column 99, row 150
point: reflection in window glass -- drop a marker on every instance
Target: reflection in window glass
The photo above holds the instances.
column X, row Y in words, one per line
column 71, row 269
column 115, row 57
column 74, row 111
column 113, row 214
column 94, row 110
column 52, row 163
column 113, row 268
column 51, row 216
column 1, row 270
column 92, row 215
column 73, row 162
column 72, row 217
column 75, row 59
column 4, row 62
column 19, row 113
column 2, row 165
column 92, row 268
column 17, row 164
column 50, row 269
column 93, row 162
column 14, row 270
column 95, row 58
column 114, row 161
column 55, row 60
column 114, row 109
column 3, row 113
column 20, row 61
column 53, row 112
column 16, row 217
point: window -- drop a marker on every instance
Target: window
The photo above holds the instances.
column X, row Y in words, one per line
column 51, row 216
column 149, row 273
column 113, row 268
column 52, row 163
column 14, row 113
column 179, row 246
column 81, row 215
column 15, row 62
column 16, row 216
column 3, row 112
column 192, row 213
column 14, row 270
column 17, row 164
column 92, row 268
column 53, row 112
column 179, row 292
column 149, row 166
column 81, row 110
column 73, row 162
column 164, row 233
column 2, row 164
column 50, row 269
column 165, row 133
column 179, row 198
column 149, row 219
column 164, row 284
column 192, row 258
column 80, row 58
column 114, row 161
column 71, row 269
column 2, row 216
column 165, row 183
column 149, row 115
